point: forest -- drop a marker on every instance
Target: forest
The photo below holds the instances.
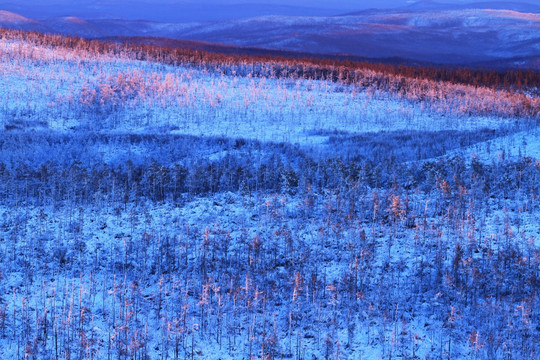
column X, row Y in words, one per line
column 159, row 203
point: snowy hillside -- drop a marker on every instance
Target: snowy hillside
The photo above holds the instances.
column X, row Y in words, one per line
column 170, row 204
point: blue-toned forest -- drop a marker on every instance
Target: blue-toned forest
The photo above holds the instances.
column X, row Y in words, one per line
column 166, row 204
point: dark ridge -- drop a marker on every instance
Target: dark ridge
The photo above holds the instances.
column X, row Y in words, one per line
column 229, row 49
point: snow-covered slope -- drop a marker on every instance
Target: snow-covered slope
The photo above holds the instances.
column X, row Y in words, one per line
column 15, row 21
column 190, row 101
column 155, row 206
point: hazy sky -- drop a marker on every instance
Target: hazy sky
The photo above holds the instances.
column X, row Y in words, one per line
column 335, row 4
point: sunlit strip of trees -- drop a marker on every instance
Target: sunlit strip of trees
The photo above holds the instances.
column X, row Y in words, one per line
column 463, row 91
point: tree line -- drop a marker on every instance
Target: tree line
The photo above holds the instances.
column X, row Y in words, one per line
column 308, row 67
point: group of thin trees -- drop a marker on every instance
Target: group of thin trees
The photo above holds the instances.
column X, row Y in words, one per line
column 444, row 265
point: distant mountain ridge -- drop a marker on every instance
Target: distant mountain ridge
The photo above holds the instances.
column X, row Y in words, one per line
column 466, row 36
column 424, row 5
column 176, row 11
